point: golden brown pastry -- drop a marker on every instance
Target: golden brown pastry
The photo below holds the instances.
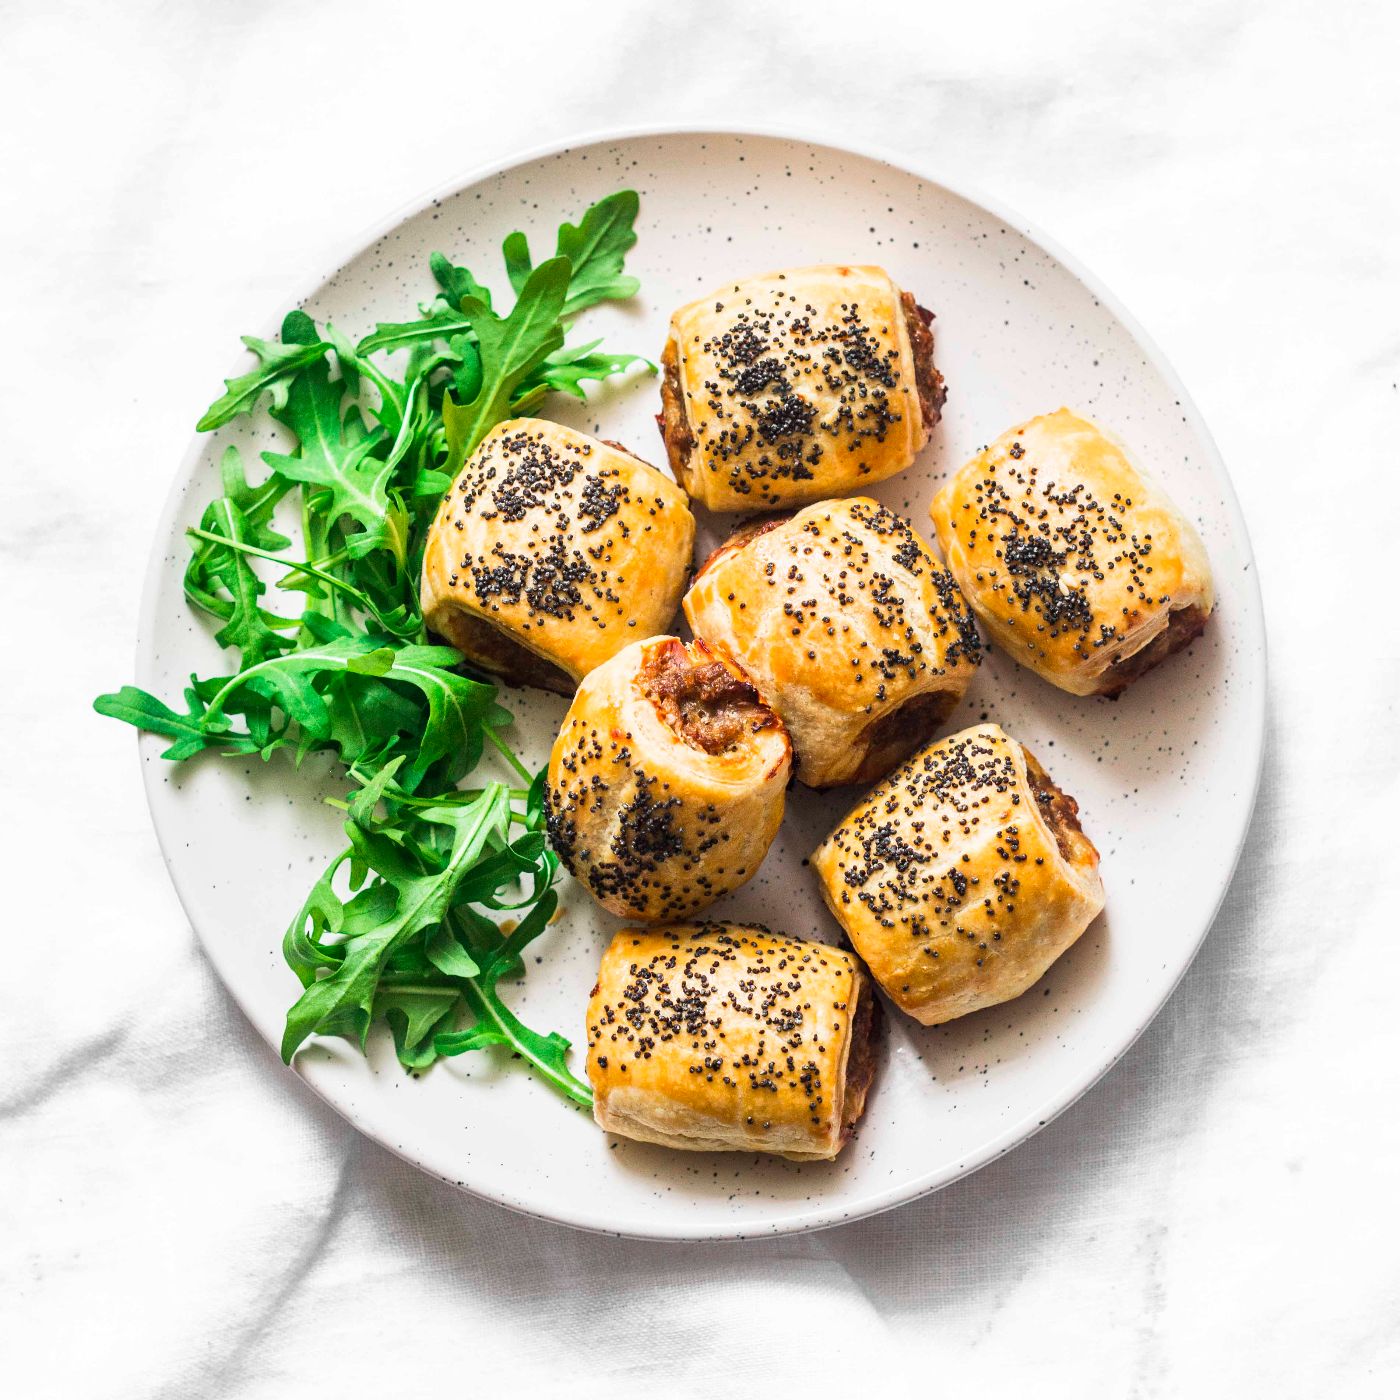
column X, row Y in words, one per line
column 796, row 386
column 717, row 1037
column 551, row 552
column 666, row 783
column 1078, row 564
column 962, row 877
column 851, row 629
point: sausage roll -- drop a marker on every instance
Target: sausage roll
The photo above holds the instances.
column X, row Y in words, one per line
column 717, row 1037
column 851, row 629
column 796, row 386
column 666, row 782
column 551, row 552
column 962, row 877
column 1078, row 564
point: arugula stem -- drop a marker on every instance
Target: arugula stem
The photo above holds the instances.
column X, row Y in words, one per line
column 214, row 709
column 306, row 567
column 335, row 535
column 486, row 1010
column 388, row 389
column 311, row 537
column 509, row 754
column 222, row 608
column 457, row 797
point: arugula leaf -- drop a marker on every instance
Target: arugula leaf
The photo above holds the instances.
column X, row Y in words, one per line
column 335, row 456
column 440, row 322
column 398, row 619
column 466, row 380
column 322, row 913
column 303, row 685
column 342, row 1002
column 596, row 250
column 568, row 368
column 456, row 707
column 220, row 580
column 257, row 503
column 348, row 362
column 516, row 253
column 214, row 565
column 457, row 283
column 510, row 349
column 416, row 1013
column 497, row 1024
column 447, row 954
column 138, row 707
column 368, row 720
column 278, row 361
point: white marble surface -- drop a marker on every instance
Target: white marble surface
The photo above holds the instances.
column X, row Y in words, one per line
column 179, row 1217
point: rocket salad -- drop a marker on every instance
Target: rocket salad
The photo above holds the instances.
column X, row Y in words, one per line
column 404, row 926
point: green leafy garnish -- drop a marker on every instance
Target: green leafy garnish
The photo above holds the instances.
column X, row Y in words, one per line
column 507, row 349
column 405, row 926
column 595, row 250
column 278, row 363
column 568, row 369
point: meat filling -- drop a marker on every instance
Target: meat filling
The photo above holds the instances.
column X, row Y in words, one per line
column 866, row 1033
column 490, row 649
column 1183, row 627
column 710, row 705
column 672, row 420
column 896, row 735
column 1060, row 812
column 933, row 394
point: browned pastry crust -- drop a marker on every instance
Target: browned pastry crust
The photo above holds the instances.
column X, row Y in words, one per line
column 850, row 627
column 1078, row 565
column 962, row 877
column 722, row 1037
column 666, row 784
column 552, row 551
column 799, row 385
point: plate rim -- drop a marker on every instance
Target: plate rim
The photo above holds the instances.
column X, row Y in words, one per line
column 815, row 1217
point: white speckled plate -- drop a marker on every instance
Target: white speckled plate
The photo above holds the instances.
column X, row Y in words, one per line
column 1165, row 777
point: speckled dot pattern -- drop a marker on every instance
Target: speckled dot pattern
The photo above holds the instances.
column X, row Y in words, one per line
column 1165, row 777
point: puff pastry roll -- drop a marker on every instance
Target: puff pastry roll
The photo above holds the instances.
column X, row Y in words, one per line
column 717, row 1037
column 1078, row 564
column 667, row 780
column 796, row 386
column 851, row 629
column 962, row 877
column 551, row 552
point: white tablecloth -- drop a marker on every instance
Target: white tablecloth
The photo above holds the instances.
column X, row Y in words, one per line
column 179, row 1217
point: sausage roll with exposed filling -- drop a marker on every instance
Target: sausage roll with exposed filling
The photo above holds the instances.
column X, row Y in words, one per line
column 1078, row 564
column 851, row 629
column 717, row 1037
column 667, row 780
column 796, row 386
column 962, row 877
column 551, row 552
